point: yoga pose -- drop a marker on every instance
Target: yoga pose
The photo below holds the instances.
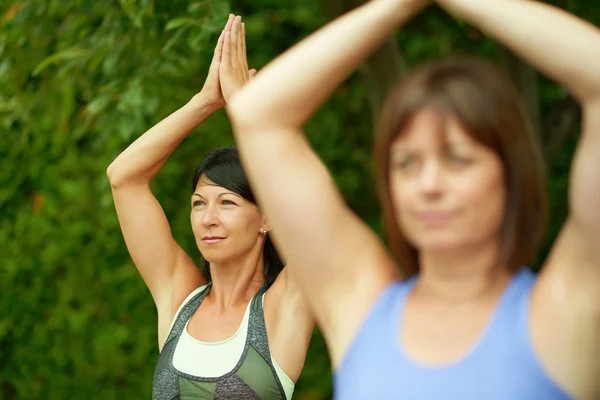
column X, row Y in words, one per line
column 461, row 183
column 240, row 329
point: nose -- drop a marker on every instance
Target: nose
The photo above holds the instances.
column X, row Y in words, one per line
column 210, row 216
column 431, row 179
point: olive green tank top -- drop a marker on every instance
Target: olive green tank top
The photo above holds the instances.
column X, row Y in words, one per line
column 253, row 378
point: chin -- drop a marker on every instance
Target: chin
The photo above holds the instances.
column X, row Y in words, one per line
column 442, row 242
column 212, row 256
column 219, row 256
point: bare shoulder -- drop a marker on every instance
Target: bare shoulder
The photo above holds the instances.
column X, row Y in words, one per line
column 187, row 277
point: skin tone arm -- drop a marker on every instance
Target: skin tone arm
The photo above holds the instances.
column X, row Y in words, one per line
column 565, row 310
column 167, row 270
column 344, row 265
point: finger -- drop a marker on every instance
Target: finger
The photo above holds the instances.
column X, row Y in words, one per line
column 244, row 55
column 234, row 38
column 229, row 23
column 219, row 48
column 226, row 53
column 239, row 49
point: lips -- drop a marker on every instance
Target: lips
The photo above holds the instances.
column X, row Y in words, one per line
column 212, row 239
column 435, row 218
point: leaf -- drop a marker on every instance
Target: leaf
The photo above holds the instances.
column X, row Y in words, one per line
column 182, row 21
column 97, row 105
column 198, row 40
column 197, row 6
column 172, row 41
column 65, row 55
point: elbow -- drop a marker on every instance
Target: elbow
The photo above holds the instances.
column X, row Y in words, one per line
column 248, row 113
column 121, row 176
column 117, row 177
column 112, row 173
column 241, row 115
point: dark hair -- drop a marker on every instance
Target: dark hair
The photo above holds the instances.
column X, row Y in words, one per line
column 488, row 106
column 223, row 167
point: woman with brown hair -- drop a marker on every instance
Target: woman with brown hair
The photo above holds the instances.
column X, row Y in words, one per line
column 461, row 182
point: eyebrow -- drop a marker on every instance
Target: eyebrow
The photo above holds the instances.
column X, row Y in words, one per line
column 220, row 195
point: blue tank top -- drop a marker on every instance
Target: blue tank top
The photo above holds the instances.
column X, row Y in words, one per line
column 500, row 366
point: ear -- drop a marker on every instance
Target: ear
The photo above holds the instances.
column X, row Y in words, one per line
column 252, row 73
column 264, row 226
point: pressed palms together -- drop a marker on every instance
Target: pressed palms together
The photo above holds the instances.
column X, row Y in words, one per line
column 228, row 70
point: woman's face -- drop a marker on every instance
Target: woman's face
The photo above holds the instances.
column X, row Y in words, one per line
column 226, row 226
column 447, row 190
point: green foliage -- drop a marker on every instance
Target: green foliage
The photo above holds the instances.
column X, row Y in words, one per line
column 80, row 80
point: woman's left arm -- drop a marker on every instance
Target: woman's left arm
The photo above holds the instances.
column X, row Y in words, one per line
column 565, row 308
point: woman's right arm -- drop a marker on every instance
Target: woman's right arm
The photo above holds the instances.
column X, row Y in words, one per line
column 337, row 261
column 167, row 270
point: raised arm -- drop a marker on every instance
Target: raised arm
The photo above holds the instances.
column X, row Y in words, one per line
column 167, row 270
column 336, row 260
column 566, row 301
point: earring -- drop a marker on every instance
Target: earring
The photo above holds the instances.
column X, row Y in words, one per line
column 264, row 231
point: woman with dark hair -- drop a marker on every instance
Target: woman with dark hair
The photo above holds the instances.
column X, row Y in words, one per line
column 239, row 328
column 222, row 168
column 461, row 181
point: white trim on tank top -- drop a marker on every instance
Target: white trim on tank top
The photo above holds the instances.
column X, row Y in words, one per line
column 221, row 357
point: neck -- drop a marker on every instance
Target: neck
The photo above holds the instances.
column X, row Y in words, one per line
column 235, row 282
column 462, row 276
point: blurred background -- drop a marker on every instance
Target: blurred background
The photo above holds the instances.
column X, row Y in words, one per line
column 81, row 79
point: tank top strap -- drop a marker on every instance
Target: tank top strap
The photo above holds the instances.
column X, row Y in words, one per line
column 257, row 329
column 165, row 384
column 257, row 335
column 186, row 313
column 511, row 311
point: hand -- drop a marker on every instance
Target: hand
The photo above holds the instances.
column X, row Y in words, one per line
column 211, row 94
column 233, row 71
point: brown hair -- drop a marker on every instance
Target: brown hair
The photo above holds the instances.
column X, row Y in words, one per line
column 488, row 105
